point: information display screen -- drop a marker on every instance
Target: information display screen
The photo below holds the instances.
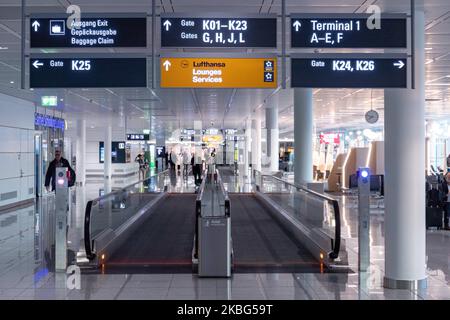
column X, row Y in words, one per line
column 213, row 31
column 342, row 31
column 341, row 72
column 93, row 32
column 88, row 72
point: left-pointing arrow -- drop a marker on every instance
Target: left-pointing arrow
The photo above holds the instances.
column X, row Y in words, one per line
column 37, row 64
column 36, row 25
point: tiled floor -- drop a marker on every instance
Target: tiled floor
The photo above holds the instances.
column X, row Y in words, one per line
column 25, row 268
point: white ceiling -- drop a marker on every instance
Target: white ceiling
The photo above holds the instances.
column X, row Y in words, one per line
column 168, row 109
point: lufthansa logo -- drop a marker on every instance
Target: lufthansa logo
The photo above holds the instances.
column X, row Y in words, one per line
column 184, row 64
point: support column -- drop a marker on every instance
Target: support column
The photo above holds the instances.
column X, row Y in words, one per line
column 273, row 145
column 108, row 151
column 404, row 122
column 256, row 142
column 81, row 152
column 303, row 135
column 248, row 145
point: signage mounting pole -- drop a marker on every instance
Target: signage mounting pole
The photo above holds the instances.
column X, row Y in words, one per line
column 283, row 44
column 153, row 43
column 413, row 44
column 22, row 42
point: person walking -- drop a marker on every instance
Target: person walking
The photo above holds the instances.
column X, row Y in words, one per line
column 186, row 162
column 142, row 166
column 50, row 176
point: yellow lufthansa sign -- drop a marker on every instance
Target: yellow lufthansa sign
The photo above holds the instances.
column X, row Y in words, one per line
column 218, row 73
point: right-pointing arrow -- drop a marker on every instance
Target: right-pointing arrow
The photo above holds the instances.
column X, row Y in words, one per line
column 297, row 25
column 400, row 64
column 167, row 64
column 37, row 64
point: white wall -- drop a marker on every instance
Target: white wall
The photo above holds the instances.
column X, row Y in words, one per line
column 16, row 150
column 93, row 138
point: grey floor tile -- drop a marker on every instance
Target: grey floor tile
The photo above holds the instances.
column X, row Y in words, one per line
column 247, row 294
column 8, row 293
column 142, row 294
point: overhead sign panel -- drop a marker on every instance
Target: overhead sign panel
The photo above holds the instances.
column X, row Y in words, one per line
column 88, row 32
column 259, row 31
column 203, row 72
column 138, row 137
column 87, row 72
column 346, row 71
column 348, row 31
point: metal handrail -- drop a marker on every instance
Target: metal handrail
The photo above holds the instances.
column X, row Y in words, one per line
column 336, row 244
column 88, row 244
column 225, row 193
column 198, row 209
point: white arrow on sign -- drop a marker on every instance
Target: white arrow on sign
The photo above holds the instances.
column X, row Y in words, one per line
column 36, row 25
column 400, row 64
column 167, row 64
column 37, row 64
column 167, row 24
column 297, row 25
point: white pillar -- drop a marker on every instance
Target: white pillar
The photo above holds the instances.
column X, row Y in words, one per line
column 107, row 162
column 404, row 122
column 81, row 152
column 273, row 138
column 303, row 135
column 256, row 142
column 248, row 145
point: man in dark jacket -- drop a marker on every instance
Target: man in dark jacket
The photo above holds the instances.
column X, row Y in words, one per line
column 58, row 162
column 445, row 190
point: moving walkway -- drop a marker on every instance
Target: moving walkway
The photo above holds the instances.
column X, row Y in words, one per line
column 279, row 228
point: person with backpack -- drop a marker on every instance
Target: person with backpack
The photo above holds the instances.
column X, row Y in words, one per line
column 58, row 162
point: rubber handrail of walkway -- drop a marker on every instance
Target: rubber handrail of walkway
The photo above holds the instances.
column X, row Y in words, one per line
column 88, row 244
column 336, row 244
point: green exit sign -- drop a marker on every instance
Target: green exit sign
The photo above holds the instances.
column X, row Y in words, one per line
column 49, row 101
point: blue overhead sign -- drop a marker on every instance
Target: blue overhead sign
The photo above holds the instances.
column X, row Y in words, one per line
column 87, row 72
column 89, row 32
column 42, row 120
column 349, row 71
column 215, row 31
column 348, row 31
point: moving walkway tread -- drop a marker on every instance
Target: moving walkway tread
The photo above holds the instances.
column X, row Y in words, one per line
column 261, row 244
column 163, row 243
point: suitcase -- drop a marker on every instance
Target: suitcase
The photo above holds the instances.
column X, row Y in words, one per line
column 434, row 217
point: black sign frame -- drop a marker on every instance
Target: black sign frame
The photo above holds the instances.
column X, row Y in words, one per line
column 119, row 71
column 329, row 79
column 398, row 24
column 269, row 35
column 135, row 24
column 132, row 136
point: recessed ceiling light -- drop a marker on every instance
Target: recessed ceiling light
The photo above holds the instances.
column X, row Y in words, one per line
column 428, row 49
column 12, row 82
column 4, row 48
